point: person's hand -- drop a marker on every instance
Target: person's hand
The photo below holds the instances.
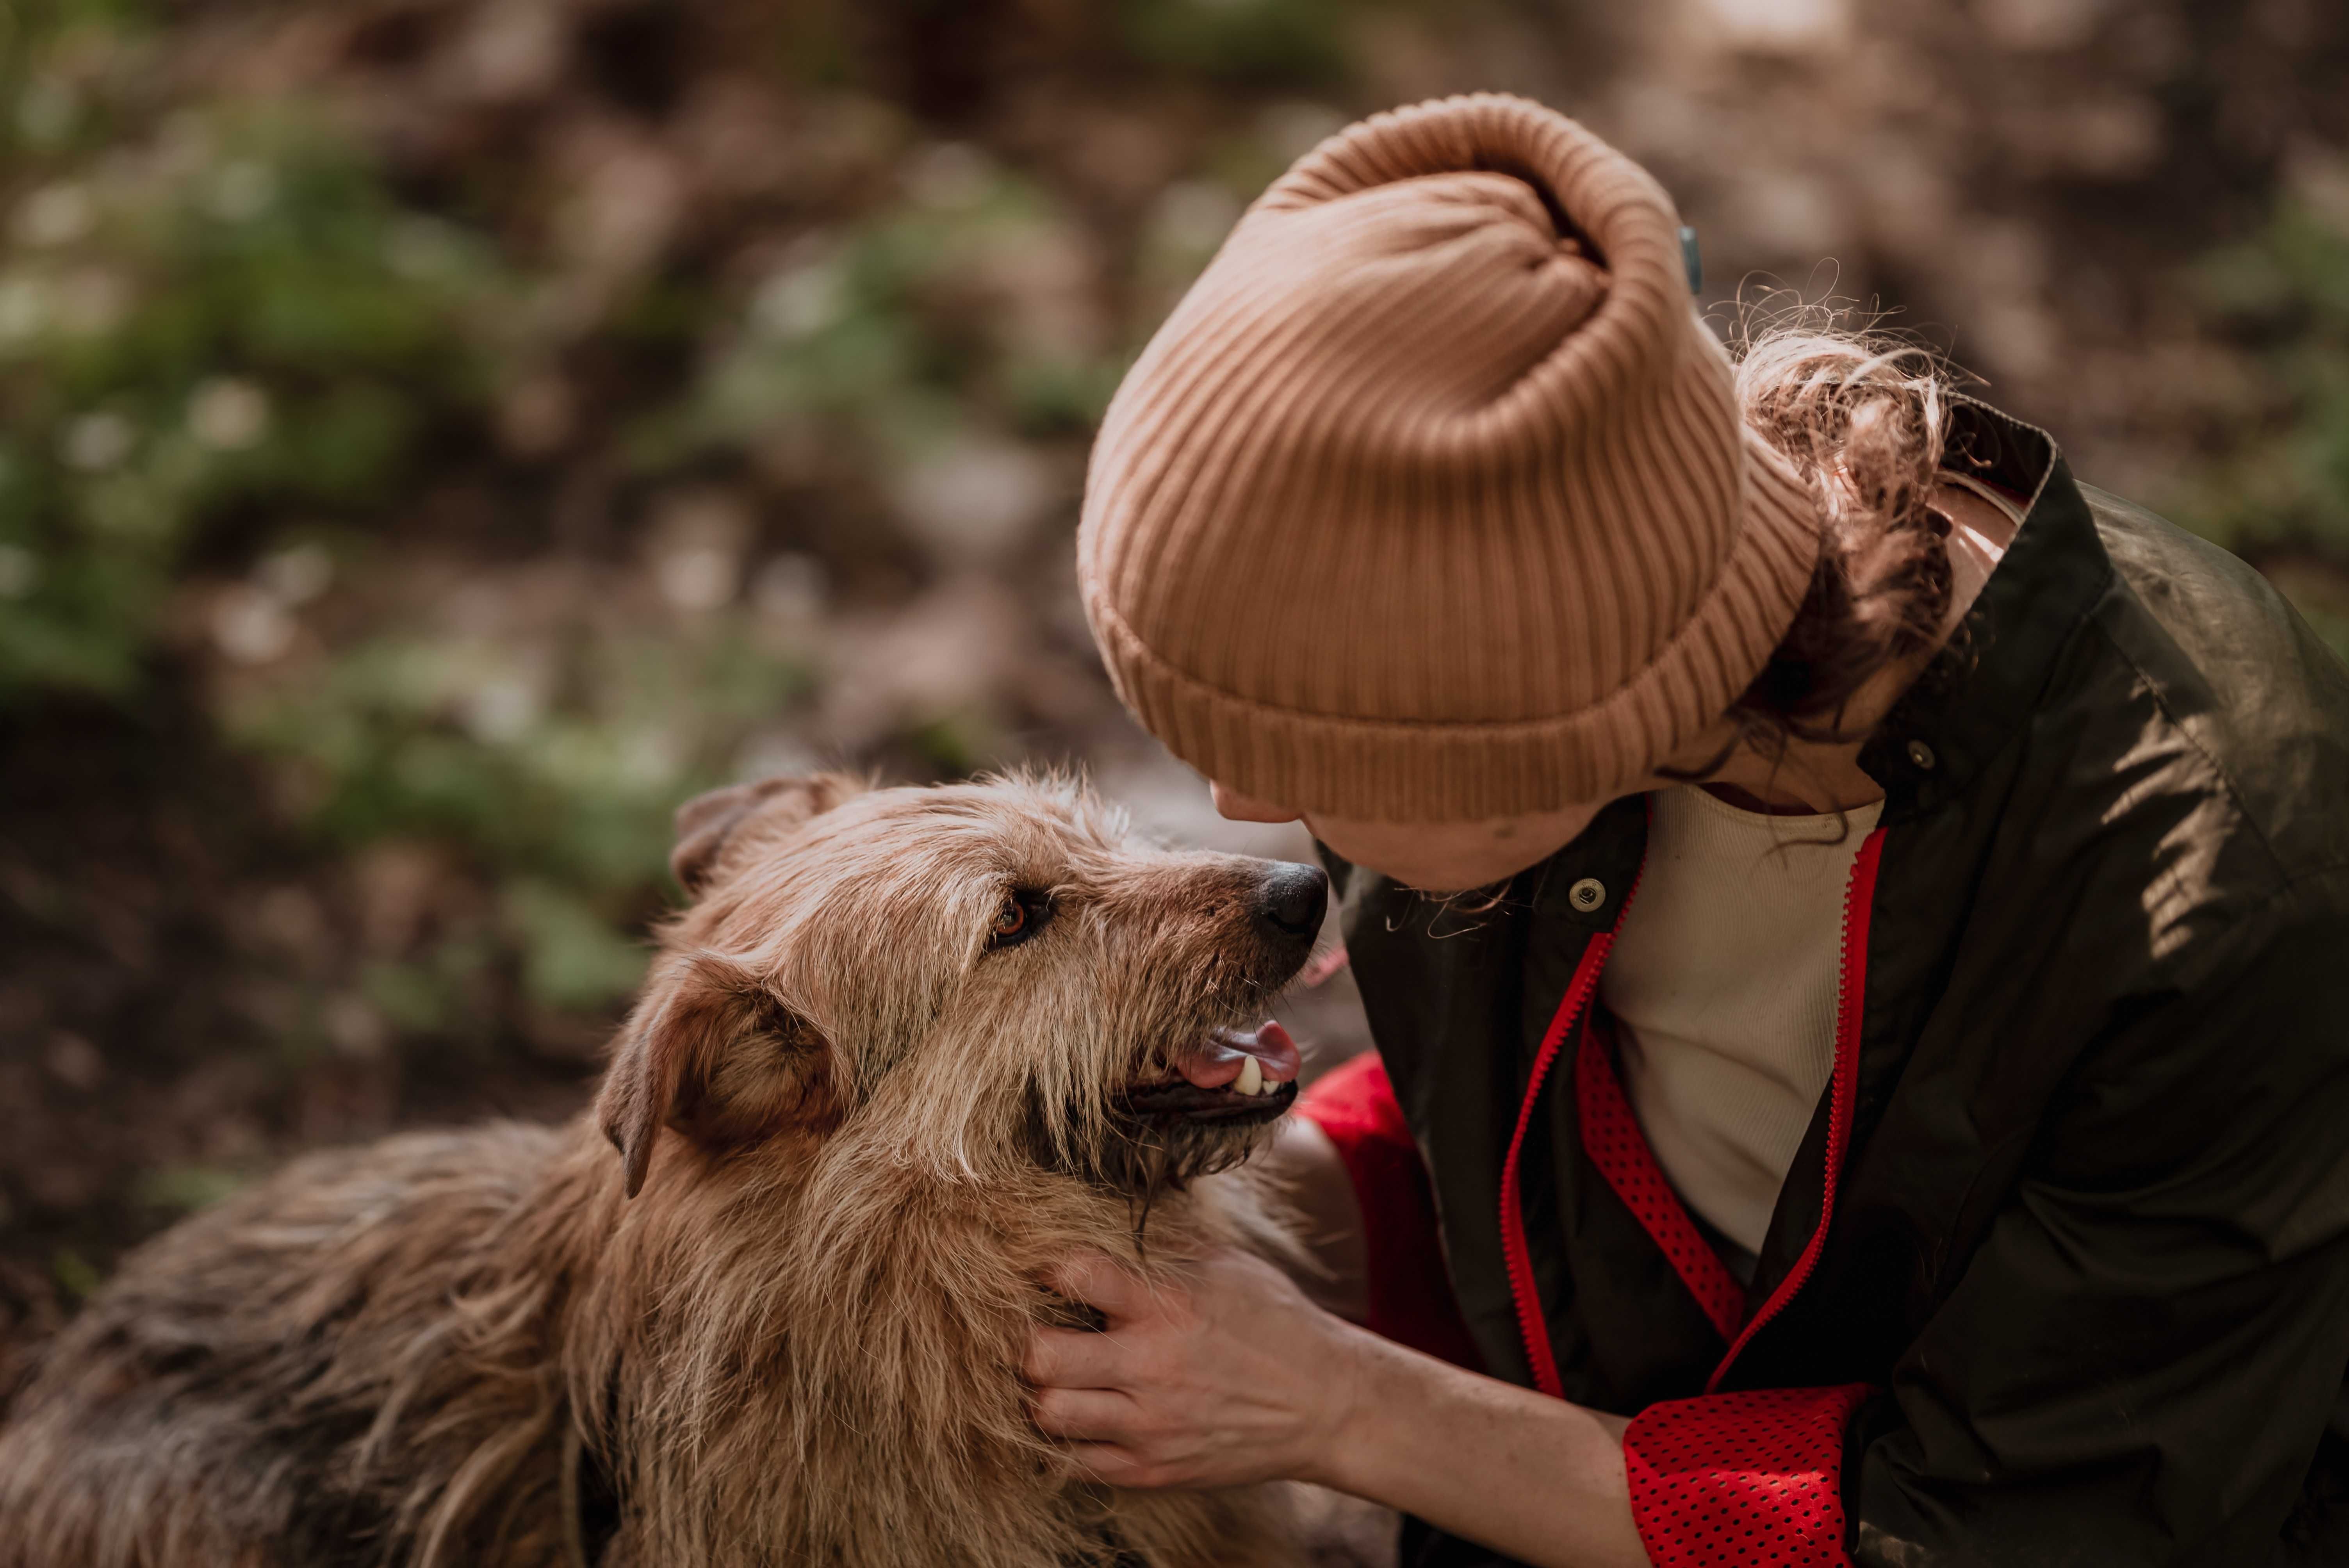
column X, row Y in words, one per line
column 1229, row 1377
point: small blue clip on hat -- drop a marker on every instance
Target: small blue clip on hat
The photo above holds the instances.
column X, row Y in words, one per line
column 1692, row 260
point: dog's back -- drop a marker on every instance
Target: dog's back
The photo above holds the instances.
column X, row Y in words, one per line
column 240, row 1382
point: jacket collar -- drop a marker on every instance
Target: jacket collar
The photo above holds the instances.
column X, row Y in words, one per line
column 1970, row 701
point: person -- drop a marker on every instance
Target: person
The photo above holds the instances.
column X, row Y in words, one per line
column 1854, row 921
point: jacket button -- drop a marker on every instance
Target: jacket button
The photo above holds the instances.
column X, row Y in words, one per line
column 1586, row 895
column 1921, row 755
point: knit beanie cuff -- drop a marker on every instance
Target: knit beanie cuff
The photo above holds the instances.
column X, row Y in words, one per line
column 1438, row 770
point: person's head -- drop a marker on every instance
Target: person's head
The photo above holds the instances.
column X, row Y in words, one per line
column 1434, row 515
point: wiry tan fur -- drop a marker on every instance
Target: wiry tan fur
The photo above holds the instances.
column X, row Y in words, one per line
column 860, row 1135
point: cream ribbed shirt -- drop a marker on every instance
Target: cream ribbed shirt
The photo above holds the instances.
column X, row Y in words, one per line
column 1724, row 981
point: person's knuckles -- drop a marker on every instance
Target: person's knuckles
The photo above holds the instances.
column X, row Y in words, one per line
column 1140, row 1364
column 1067, row 1413
column 1148, row 1428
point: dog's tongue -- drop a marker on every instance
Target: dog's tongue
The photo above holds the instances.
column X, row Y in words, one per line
column 1223, row 1055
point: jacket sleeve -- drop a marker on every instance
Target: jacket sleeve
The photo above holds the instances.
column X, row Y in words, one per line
column 2139, row 1361
column 1409, row 1288
column 1745, row 1480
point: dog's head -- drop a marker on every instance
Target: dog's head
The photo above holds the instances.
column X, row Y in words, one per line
column 975, row 974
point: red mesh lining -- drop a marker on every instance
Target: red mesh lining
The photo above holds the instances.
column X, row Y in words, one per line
column 1744, row 1479
column 1410, row 1293
column 1612, row 1137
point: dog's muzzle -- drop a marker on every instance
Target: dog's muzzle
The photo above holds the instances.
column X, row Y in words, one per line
column 1232, row 1078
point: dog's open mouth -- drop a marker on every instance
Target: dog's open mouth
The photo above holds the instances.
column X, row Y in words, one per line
column 1232, row 1077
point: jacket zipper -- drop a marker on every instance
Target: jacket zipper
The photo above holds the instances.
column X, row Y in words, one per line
column 1514, row 1248
column 1859, row 896
column 1851, row 993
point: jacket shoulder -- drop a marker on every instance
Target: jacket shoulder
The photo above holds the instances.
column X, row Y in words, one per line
column 2242, row 681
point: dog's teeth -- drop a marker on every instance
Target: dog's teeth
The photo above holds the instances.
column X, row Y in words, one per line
column 1251, row 1078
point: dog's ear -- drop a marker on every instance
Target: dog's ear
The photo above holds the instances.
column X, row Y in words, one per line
column 711, row 1051
column 705, row 822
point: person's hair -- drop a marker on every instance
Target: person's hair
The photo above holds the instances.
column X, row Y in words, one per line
column 1862, row 418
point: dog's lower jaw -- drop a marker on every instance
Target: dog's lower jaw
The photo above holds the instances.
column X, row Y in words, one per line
column 1142, row 1155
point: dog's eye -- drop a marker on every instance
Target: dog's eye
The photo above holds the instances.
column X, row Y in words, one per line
column 1022, row 914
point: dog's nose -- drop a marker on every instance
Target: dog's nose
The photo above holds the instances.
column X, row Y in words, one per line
column 1289, row 901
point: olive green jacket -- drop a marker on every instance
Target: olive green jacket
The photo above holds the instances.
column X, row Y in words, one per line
column 2061, row 1274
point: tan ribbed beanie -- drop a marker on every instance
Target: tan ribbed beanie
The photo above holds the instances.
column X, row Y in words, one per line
column 1430, row 501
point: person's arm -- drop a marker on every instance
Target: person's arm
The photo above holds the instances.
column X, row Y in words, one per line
column 1236, row 1378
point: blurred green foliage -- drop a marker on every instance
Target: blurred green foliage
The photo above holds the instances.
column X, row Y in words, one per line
column 232, row 319
column 901, row 329
column 182, row 1189
column 224, row 337
column 1291, row 42
column 564, row 796
column 446, row 738
column 2280, row 485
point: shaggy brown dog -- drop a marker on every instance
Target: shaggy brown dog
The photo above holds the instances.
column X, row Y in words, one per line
column 906, row 1048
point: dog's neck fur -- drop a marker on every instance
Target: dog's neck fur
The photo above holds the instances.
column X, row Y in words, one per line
column 843, row 1306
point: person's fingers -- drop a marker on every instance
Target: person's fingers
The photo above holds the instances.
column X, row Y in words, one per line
column 1073, row 1358
column 1088, row 1414
column 1111, row 1464
column 1100, row 1283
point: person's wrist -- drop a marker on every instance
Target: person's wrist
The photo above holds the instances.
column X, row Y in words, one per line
column 1344, row 1454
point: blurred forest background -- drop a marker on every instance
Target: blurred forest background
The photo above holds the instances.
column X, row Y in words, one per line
column 438, row 435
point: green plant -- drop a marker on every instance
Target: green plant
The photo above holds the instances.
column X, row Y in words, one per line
column 557, row 778
column 948, row 309
column 230, row 318
column 1242, row 41
column 2277, row 488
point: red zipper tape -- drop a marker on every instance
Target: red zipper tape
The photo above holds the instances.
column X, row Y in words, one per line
column 1858, row 902
column 1860, row 897
column 1514, row 1250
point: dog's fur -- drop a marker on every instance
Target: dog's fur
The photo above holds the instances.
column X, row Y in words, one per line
column 859, row 1133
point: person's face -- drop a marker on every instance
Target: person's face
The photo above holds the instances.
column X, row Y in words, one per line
column 1453, row 857
column 1435, row 857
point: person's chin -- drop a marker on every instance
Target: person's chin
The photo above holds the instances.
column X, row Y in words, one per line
column 1455, row 882
column 1467, row 859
